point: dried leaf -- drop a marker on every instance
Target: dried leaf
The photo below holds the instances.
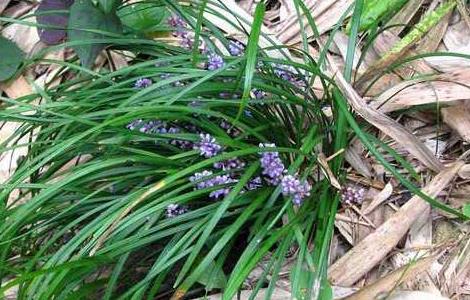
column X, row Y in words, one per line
column 371, row 250
column 448, row 87
column 388, row 283
column 458, row 118
column 379, row 198
column 388, row 126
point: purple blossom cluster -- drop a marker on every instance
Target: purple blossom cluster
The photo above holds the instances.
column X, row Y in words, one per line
column 229, row 129
column 159, row 127
column 174, row 210
column 214, row 62
column 258, row 94
column 236, row 48
column 142, row 83
column 186, row 37
column 153, row 126
column 202, row 182
column 254, row 183
column 289, row 73
column 352, row 195
column 271, row 164
column 292, row 186
column 230, row 164
column 176, row 21
column 207, row 146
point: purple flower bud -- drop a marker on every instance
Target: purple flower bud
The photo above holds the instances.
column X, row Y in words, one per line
column 207, row 146
column 233, row 163
column 187, row 40
column 352, row 195
column 258, row 94
column 214, row 62
column 198, row 178
column 254, row 184
column 220, row 180
column 174, row 210
column 135, row 124
column 176, row 21
column 272, row 165
column 142, row 83
column 236, row 48
column 291, row 186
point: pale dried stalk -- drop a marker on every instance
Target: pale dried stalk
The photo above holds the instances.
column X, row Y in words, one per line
column 387, row 125
column 375, row 247
column 448, row 87
column 458, row 118
column 389, row 282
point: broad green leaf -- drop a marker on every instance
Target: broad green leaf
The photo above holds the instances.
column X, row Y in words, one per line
column 12, row 56
column 143, row 17
column 375, row 10
column 108, row 6
column 88, row 23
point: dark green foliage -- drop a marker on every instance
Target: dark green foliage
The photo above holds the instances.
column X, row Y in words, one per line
column 89, row 29
column 12, row 57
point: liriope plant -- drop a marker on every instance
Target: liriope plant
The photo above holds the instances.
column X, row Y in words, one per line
column 174, row 176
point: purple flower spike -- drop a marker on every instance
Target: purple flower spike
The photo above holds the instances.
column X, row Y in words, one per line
column 258, row 94
column 272, row 165
column 233, row 163
column 220, row 180
column 198, row 177
column 142, row 83
column 215, row 62
column 352, row 195
column 176, row 21
column 174, row 210
column 187, row 39
column 208, row 146
column 212, row 182
column 135, row 124
column 291, row 186
column 254, row 184
column 236, row 48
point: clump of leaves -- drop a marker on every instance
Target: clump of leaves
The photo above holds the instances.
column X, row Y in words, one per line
column 167, row 176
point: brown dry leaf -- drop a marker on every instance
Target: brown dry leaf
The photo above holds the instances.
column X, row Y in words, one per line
column 16, row 88
column 379, row 198
column 385, row 42
column 25, row 36
column 371, row 250
column 415, row 295
column 327, row 171
column 326, row 14
column 458, row 118
column 3, row 5
column 447, row 87
column 405, row 15
column 388, row 126
column 357, row 162
column 388, row 283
